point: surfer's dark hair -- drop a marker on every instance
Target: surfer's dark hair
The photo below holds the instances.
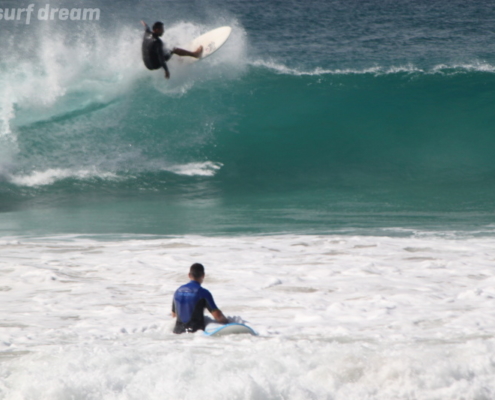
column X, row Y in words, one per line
column 157, row 25
column 197, row 271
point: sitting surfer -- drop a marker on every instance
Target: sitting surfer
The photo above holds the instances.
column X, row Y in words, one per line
column 155, row 55
column 189, row 303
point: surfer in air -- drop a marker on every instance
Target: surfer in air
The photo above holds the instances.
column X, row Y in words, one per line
column 155, row 55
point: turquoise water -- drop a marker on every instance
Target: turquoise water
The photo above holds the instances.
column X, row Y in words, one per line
column 341, row 116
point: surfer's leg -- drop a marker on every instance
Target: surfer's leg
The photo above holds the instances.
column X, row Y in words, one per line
column 182, row 52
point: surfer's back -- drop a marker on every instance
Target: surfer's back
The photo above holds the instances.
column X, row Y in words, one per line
column 150, row 51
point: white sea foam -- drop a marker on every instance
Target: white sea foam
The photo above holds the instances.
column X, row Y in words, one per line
column 283, row 69
column 340, row 317
column 207, row 168
column 59, row 77
column 376, row 70
column 280, row 68
column 477, row 66
column 49, row 176
column 52, row 175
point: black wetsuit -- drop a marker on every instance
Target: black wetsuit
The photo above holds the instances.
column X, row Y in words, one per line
column 154, row 53
column 189, row 303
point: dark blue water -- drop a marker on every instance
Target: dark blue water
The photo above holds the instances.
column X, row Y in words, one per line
column 315, row 117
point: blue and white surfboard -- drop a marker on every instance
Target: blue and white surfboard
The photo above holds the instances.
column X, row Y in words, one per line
column 214, row 329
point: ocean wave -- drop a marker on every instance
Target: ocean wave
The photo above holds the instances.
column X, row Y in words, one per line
column 272, row 125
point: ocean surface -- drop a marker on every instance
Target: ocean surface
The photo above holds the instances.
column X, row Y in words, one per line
column 332, row 165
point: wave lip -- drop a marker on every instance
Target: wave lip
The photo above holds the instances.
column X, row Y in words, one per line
column 376, row 70
column 476, row 66
column 282, row 69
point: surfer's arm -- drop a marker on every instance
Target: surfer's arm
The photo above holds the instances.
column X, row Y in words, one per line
column 146, row 27
column 213, row 309
column 219, row 317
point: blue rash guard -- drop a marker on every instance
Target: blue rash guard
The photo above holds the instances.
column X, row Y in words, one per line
column 189, row 303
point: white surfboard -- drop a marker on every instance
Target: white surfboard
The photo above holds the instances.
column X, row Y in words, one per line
column 211, row 42
column 214, row 329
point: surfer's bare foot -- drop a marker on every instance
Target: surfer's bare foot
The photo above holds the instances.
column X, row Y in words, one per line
column 198, row 52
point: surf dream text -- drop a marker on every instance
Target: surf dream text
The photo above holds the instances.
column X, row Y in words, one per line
column 48, row 13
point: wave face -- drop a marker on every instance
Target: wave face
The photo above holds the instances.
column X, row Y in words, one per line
column 384, row 128
column 399, row 125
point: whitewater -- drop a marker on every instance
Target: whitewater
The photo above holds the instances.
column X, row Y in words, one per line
column 339, row 317
column 331, row 166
